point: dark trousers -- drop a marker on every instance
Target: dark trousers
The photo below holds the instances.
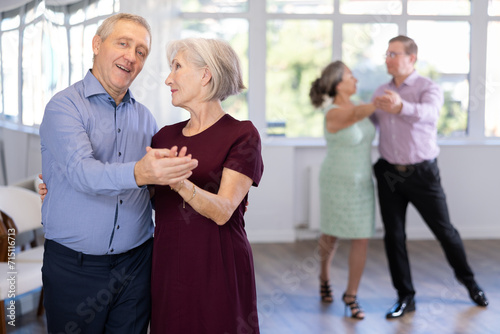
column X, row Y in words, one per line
column 420, row 185
column 97, row 294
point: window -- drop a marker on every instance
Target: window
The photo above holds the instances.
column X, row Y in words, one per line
column 300, row 7
column 37, row 57
column 449, row 67
column 9, row 48
column 302, row 37
column 363, row 51
column 235, row 31
column 377, row 7
column 34, row 85
column 283, row 46
column 439, row 7
column 492, row 77
column 289, row 74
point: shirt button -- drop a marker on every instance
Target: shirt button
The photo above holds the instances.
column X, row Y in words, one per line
column 119, row 154
column 121, row 201
column 117, row 227
column 119, row 130
column 111, row 250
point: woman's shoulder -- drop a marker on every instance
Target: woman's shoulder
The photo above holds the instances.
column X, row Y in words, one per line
column 238, row 132
column 174, row 126
column 330, row 106
column 170, row 129
column 239, row 126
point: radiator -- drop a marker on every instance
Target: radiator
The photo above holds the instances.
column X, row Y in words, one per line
column 313, row 206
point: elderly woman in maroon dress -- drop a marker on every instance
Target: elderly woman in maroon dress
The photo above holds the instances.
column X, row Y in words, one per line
column 203, row 276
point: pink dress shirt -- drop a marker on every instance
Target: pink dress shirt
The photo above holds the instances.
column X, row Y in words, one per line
column 411, row 136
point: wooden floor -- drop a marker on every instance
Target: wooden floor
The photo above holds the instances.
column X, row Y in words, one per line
column 288, row 298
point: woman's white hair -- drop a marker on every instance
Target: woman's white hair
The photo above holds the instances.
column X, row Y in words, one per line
column 219, row 57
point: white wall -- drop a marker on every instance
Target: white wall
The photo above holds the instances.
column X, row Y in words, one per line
column 270, row 216
column 470, row 176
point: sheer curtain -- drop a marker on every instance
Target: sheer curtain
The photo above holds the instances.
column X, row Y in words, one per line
column 6, row 5
column 149, row 87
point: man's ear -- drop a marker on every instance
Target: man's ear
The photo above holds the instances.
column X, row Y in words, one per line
column 96, row 44
column 413, row 58
column 207, row 76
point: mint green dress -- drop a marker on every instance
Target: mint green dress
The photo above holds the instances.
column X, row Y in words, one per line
column 346, row 184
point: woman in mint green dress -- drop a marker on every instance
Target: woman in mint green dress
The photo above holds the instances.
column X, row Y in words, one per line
column 346, row 185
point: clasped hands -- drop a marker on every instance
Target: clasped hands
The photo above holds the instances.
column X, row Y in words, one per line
column 153, row 168
column 391, row 102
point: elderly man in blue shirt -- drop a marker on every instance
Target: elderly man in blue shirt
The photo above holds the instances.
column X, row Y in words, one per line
column 97, row 216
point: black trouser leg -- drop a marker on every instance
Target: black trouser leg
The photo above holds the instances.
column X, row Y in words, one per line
column 393, row 205
column 429, row 199
column 421, row 186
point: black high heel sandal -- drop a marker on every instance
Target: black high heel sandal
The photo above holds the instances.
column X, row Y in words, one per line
column 325, row 292
column 356, row 310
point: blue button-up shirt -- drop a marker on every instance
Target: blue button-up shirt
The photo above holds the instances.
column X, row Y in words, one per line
column 89, row 150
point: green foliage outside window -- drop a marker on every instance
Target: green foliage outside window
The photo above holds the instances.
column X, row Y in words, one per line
column 453, row 117
column 297, row 51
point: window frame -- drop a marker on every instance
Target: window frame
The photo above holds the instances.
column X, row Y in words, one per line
column 257, row 18
column 22, row 10
column 256, row 15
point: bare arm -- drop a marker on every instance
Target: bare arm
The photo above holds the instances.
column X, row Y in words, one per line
column 341, row 117
column 221, row 206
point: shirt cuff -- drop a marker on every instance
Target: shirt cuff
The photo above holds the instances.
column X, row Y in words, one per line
column 407, row 109
column 126, row 176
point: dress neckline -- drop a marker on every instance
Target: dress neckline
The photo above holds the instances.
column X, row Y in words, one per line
column 204, row 130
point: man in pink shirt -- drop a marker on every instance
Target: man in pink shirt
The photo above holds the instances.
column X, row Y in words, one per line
column 407, row 172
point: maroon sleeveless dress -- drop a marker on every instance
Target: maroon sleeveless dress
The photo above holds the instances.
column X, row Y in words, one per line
column 203, row 275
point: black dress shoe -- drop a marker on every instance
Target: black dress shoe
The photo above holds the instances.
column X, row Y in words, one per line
column 403, row 306
column 477, row 295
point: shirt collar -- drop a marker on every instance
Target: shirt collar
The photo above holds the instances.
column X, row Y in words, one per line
column 409, row 81
column 94, row 87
